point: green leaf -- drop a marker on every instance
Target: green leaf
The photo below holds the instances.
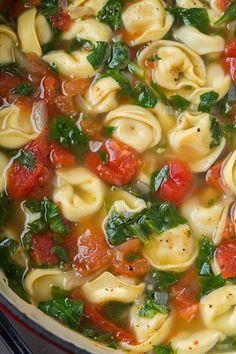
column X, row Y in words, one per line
column 158, row 177
column 205, row 255
column 179, row 103
column 216, row 132
column 99, row 55
column 109, row 130
column 12, row 68
column 157, row 218
column 144, row 96
column 66, row 310
column 196, row 17
column 79, row 43
column 207, row 101
column 58, row 292
column 164, row 279
column 119, row 56
column 154, row 57
column 229, row 15
column 50, row 7
column 26, row 159
column 64, row 130
column 54, row 68
column 111, row 14
column 211, row 283
column 23, row 89
column 226, row 107
column 164, row 349
column 103, row 156
column 9, row 243
column 150, row 308
column 60, row 253
column 125, row 86
column 228, row 344
column 26, row 241
column 136, row 70
column 5, row 204
column 117, row 312
column 34, row 205
column 160, row 93
column 52, row 216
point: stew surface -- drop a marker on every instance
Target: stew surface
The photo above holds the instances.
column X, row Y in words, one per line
column 118, row 168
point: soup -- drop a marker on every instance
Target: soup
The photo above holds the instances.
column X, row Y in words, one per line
column 118, row 168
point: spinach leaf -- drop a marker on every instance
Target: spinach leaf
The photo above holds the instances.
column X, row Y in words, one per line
column 99, row 55
column 66, row 310
column 160, row 93
column 229, row 15
column 206, row 252
column 111, row 14
column 103, row 156
column 157, row 218
column 196, row 17
column 49, row 7
column 26, row 159
column 207, row 101
column 163, row 280
column 61, row 254
column 179, row 103
column 119, row 56
column 154, row 57
column 5, row 204
column 228, row 344
column 144, row 96
column 216, row 132
column 163, row 349
column 109, row 130
column 150, row 308
column 54, row 68
column 23, row 89
column 117, row 312
column 136, row 70
column 226, row 107
column 12, row 68
column 13, row 271
column 106, row 339
column 125, row 86
column 58, row 292
column 64, row 130
column 79, row 43
column 10, row 244
column 158, row 177
column 211, row 283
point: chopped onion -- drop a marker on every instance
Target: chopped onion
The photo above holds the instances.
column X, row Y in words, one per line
column 39, row 115
column 95, row 145
column 22, row 60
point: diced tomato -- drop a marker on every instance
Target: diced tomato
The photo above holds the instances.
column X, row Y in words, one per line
column 213, row 176
column 75, row 87
column 223, row 4
column 122, row 163
column 62, row 21
column 121, row 266
column 7, row 83
column 25, row 103
column 230, row 58
column 229, row 230
column 21, row 181
column 61, row 157
column 184, row 296
column 37, row 66
column 41, row 249
column 93, row 129
column 226, row 258
column 34, row 2
column 230, row 49
column 97, row 319
column 89, row 252
column 50, row 89
column 231, row 62
column 179, row 184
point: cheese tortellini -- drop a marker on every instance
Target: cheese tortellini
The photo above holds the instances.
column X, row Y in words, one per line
column 199, row 342
column 135, row 126
column 218, row 310
column 8, row 41
column 204, row 220
column 148, row 331
column 199, row 42
column 17, row 127
column 3, row 164
column 173, row 250
column 38, row 282
column 192, row 139
column 79, row 192
column 79, row 7
column 101, row 96
column 33, row 31
column 229, row 173
column 146, row 21
column 107, row 288
column 181, row 70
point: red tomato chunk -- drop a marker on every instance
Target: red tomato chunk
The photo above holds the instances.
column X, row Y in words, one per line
column 226, row 257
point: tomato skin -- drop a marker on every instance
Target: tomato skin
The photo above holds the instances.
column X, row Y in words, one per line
column 222, row 4
column 213, row 176
column 61, row 157
column 178, row 185
column 229, row 230
column 230, row 58
column 122, row 165
column 231, row 62
column 62, row 21
column 41, row 249
column 184, row 294
column 226, row 258
column 230, row 49
column 136, row 268
column 50, row 86
column 88, row 252
column 21, row 181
